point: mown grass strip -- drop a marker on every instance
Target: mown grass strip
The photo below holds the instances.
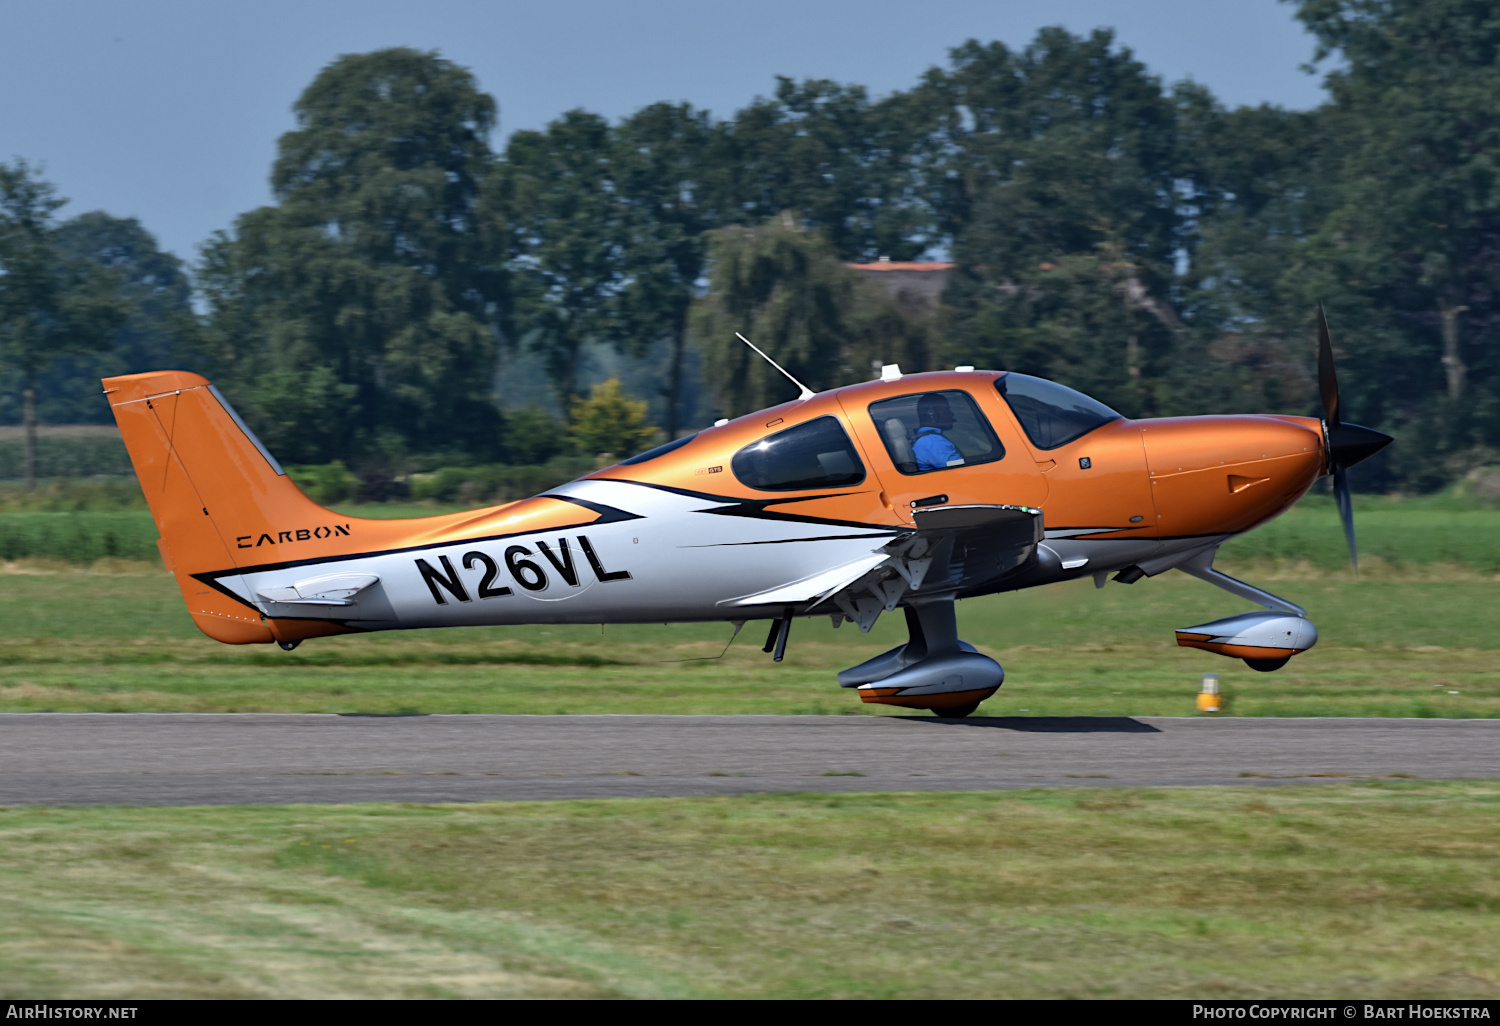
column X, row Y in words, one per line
column 1400, row 534
column 1388, row 890
column 83, row 641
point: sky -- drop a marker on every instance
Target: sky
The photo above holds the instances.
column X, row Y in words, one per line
column 169, row 110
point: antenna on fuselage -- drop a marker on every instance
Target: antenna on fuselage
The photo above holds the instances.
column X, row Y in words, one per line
column 807, row 393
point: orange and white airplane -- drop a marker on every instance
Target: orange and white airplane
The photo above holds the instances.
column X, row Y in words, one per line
column 909, row 492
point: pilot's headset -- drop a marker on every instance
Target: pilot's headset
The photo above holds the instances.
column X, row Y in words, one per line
column 933, row 411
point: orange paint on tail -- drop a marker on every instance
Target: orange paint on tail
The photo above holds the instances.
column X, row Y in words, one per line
column 222, row 502
column 192, row 459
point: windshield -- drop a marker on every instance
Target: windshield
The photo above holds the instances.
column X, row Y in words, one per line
column 1051, row 414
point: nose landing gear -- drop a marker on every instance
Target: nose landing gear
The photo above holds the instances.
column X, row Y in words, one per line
column 1265, row 641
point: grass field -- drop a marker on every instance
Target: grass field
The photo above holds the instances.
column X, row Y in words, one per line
column 75, row 641
column 1398, row 533
column 80, row 522
column 1375, row 890
column 63, row 450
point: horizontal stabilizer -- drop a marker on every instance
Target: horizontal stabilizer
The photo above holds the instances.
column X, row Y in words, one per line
column 328, row 590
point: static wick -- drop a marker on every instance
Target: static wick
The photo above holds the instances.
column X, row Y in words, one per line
column 738, row 625
column 806, row 393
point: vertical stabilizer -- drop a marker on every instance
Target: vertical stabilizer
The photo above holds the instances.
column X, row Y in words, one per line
column 214, row 491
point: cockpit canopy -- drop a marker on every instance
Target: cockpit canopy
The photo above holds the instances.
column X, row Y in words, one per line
column 1052, row 415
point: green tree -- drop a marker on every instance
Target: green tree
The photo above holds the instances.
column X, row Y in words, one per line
column 1264, row 187
column 609, row 421
column 533, row 436
column 664, row 177
column 782, row 286
column 843, row 163
column 1409, row 258
column 158, row 324
column 50, row 305
column 565, row 217
column 360, row 315
column 1058, row 169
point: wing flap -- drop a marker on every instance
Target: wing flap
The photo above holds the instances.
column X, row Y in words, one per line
column 815, row 588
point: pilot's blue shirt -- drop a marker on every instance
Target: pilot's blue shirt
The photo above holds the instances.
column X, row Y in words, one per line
column 933, row 451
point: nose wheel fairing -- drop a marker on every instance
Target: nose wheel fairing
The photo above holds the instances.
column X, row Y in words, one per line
column 1264, row 637
column 1264, row 640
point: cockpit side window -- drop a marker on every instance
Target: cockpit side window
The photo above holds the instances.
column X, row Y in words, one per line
column 817, row 454
column 1052, row 415
column 934, row 431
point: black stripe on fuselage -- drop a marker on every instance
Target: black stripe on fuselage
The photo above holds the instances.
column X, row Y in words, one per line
column 1163, row 538
column 786, row 541
column 757, row 509
column 1086, row 532
column 607, row 514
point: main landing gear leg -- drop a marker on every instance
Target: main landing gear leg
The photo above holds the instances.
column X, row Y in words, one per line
column 933, row 670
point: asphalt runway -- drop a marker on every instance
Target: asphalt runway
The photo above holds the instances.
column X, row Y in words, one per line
column 212, row 759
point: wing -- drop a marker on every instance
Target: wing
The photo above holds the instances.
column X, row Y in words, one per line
column 953, row 549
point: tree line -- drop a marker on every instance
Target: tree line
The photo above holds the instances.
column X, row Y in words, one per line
column 1136, row 240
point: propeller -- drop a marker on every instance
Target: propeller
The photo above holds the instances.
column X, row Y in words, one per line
column 1348, row 444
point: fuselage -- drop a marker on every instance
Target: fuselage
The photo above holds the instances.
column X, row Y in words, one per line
column 716, row 529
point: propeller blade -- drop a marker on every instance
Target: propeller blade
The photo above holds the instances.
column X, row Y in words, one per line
column 1348, row 444
column 1328, row 379
column 1346, row 513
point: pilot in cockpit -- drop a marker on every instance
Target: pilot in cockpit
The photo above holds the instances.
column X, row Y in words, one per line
column 932, row 449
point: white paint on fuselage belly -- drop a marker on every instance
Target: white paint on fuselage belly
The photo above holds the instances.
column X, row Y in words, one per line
column 683, row 563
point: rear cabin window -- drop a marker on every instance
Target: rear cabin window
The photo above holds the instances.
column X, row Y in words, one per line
column 935, row 431
column 817, row 454
column 1052, row 414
